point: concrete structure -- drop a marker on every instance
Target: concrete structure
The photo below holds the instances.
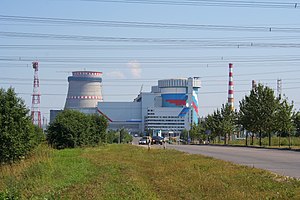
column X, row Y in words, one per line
column 170, row 107
column 85, row 90
column 84, row 93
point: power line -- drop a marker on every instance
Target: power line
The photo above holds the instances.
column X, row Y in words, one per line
column 134, row 24
column 204, row 84
column 204, row 61
column 173, row 47
column 203, row 77
column 194, row 41
column 131, row 94
column 127, row 85
column 220, row 3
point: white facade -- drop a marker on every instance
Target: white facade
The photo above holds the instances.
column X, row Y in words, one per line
column 171, row 106
column 166, row 120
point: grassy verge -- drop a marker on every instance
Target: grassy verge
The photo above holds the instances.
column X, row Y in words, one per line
column 283, row 142
column 130, row 172
column 45, row 175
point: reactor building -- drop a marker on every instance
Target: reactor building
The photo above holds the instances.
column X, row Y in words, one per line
column 170, row 107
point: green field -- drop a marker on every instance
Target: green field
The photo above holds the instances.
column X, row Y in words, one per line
column 131, row 172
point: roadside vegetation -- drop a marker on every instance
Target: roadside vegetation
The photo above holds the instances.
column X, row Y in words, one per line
column 131, row 172
column 72, row 129
column 262, row 120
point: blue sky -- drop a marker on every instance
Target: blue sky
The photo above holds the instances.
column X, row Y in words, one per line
column 127, row 65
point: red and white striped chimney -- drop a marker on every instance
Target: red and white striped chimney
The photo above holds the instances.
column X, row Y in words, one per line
column 230, row 87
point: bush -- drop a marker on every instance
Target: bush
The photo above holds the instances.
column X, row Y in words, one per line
column 72, row 129
column 17, row 133
column 117, row 136
column 98, row 125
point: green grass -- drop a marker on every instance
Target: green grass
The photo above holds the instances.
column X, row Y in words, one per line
column 130, row 172
column 46, row 174
column 284, row 142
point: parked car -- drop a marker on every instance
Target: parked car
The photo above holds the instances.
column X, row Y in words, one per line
column 157, row 140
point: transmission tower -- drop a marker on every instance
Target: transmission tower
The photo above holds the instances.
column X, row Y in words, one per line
column 35, row 108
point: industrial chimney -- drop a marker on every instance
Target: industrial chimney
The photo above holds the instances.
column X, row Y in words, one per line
column 85, row 90
column 230, row 87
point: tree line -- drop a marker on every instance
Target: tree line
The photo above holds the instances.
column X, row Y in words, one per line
column 261, row 114
column 70, row 129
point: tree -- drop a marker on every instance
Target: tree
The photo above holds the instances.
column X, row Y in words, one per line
column 284, row 119
column 184, row 135
column 194, row 134
column 257, row 111
column 228, row 119
column 98, row 128
column 296, row 119
column 72, row 129
column 119, row 136
column 213, row 123
column 222, row 122
column 202, row 130
column 112, row 136
column 17, row 133
column 125, row 136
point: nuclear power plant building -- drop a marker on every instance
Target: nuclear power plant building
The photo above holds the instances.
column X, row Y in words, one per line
column 170, row 107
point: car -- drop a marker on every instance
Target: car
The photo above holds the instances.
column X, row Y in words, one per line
column 145, row 140
column 157, row 140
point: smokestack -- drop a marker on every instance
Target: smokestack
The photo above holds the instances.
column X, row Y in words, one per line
column 279, row 88
column 230, row 87
column 253, row 84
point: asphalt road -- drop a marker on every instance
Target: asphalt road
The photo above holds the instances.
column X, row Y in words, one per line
column 286, row 163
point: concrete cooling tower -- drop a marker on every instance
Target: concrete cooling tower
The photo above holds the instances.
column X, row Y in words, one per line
column 85, row 90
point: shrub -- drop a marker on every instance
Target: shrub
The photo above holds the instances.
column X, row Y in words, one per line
column 72, row 129
column 121, row 135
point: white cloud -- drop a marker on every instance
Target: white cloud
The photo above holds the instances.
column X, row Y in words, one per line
column 135, row 68
column 115, row 74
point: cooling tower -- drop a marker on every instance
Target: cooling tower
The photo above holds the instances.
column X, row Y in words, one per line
column 85, row 90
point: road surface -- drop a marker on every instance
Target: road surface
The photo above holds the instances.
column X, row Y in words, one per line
column 286, row 163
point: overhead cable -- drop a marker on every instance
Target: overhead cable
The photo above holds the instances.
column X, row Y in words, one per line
column 220, row 3
column 136, row 24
